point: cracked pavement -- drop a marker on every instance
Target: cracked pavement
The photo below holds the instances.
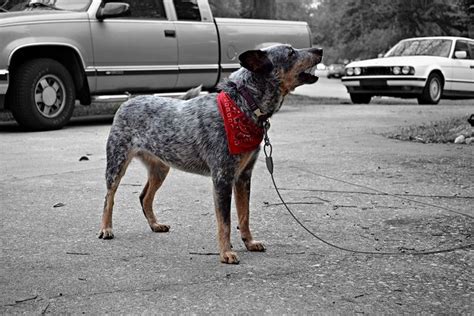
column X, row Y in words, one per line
column 341, row 177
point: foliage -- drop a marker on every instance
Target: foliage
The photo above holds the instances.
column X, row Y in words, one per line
column 353, row 29
column 293, row 10
column 259, row 9
column 359, row 29
column 262, row 9
column 226, row 8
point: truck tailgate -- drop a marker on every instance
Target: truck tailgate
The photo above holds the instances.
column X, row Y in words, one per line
column 239, row 35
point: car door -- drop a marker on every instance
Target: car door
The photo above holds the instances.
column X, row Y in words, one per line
column 198, row 53
column 462, row 78
column 138, row 52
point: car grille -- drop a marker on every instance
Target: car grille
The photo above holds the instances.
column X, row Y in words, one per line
column 377, row 71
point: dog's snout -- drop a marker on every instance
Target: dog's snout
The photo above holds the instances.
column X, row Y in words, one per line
column 317, row 51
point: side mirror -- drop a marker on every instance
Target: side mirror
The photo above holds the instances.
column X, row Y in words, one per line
column 113, row 10
column 460, row 54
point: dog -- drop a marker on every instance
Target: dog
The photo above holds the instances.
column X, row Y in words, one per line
column 193, row 136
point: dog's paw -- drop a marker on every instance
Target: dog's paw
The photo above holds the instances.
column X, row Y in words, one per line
column 229, row 257
column 106, row 233
column 255, row 246
column 160, row 228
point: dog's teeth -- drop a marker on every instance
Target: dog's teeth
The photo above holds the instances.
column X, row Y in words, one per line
column 311, row 70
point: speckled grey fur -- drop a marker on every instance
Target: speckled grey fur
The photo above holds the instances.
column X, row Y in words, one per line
column 189, row 134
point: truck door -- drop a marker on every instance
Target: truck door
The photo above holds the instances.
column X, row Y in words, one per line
column 136, row 53
column 198, row 45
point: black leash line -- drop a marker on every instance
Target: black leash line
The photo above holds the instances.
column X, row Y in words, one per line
column 268, row 150
column 401, row 197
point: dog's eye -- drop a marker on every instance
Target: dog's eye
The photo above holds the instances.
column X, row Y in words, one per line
column 291, row 52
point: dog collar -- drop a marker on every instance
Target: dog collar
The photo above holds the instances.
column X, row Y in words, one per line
column 250, row 102
column 243, row 134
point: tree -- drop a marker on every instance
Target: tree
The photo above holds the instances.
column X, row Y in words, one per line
column 428, row 17
column 263, row 9
column 351, row 29
column 225, row 8
column 293, row 10
column 259, row 9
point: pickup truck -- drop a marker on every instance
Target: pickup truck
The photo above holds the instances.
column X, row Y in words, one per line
column 55, row 53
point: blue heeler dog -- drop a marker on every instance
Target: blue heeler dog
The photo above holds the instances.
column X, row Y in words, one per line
column 191, row 135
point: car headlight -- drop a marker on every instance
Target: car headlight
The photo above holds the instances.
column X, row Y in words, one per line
column 403, row 70
column 350, row 71
column 357, row 71
column 408, row 70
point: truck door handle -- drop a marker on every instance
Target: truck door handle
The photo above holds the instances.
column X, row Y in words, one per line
column 170, row 33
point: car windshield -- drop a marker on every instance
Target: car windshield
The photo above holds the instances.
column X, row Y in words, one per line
column 22, row 5
column 421, row 47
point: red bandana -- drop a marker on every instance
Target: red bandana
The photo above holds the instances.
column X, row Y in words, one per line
column 243, row 135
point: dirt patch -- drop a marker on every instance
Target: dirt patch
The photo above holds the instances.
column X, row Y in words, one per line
column 445, row 131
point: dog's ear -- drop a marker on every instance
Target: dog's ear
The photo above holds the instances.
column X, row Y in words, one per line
column 256, row 61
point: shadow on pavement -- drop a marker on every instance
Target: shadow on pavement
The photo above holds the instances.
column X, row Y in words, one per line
column 13, row 127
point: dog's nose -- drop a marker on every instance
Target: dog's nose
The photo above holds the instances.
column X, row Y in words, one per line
column 316, row 51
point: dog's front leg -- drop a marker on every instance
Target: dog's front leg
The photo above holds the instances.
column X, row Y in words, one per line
column 222, row 201
column 242, row 201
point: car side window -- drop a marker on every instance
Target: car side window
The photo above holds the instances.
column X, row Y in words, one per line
column 145, row 9
column 471, row 47
column 187, row 10
column 464, row 47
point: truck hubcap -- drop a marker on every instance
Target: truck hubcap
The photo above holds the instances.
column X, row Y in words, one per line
column 50, row 96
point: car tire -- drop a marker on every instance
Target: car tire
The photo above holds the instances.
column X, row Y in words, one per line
column 432, row 91
column 42, row 95
column 358, row 98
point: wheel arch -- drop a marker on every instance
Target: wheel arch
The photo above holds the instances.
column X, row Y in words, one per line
column 67, row 55
column 438, row 71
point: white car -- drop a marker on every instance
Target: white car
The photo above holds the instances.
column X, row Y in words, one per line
column 426, row 68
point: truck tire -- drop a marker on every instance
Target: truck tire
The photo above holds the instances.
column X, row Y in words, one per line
column 42, row 95
column 358, row 98
column 433, row 90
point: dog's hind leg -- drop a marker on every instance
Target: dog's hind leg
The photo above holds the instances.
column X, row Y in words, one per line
column 157, row 172
column 106, row 224
column 242, row 199
column 222, row 181
column 115, row 170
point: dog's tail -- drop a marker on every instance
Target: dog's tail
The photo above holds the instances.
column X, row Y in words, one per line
column 192, row 93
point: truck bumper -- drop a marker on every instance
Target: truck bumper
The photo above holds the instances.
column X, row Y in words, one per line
column 3, row 86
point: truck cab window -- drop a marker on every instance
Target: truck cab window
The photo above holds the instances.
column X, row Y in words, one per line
column 146, row 9
column 187, row 10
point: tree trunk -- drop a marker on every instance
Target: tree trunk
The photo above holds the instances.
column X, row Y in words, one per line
column 259, row 9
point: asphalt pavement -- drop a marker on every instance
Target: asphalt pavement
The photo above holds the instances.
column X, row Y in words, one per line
column 343, row 179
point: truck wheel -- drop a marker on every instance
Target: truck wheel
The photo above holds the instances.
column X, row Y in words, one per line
column 432, row 91
column 43, row 95
column 358, row 98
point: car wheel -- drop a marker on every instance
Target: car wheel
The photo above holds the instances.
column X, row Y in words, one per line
column 433, row 90
column 358, row 98
column 43, row 95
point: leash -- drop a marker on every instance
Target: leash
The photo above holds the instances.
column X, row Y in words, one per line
column 268, row 150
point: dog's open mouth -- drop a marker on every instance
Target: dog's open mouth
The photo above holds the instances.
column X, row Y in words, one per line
column 307, row 76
